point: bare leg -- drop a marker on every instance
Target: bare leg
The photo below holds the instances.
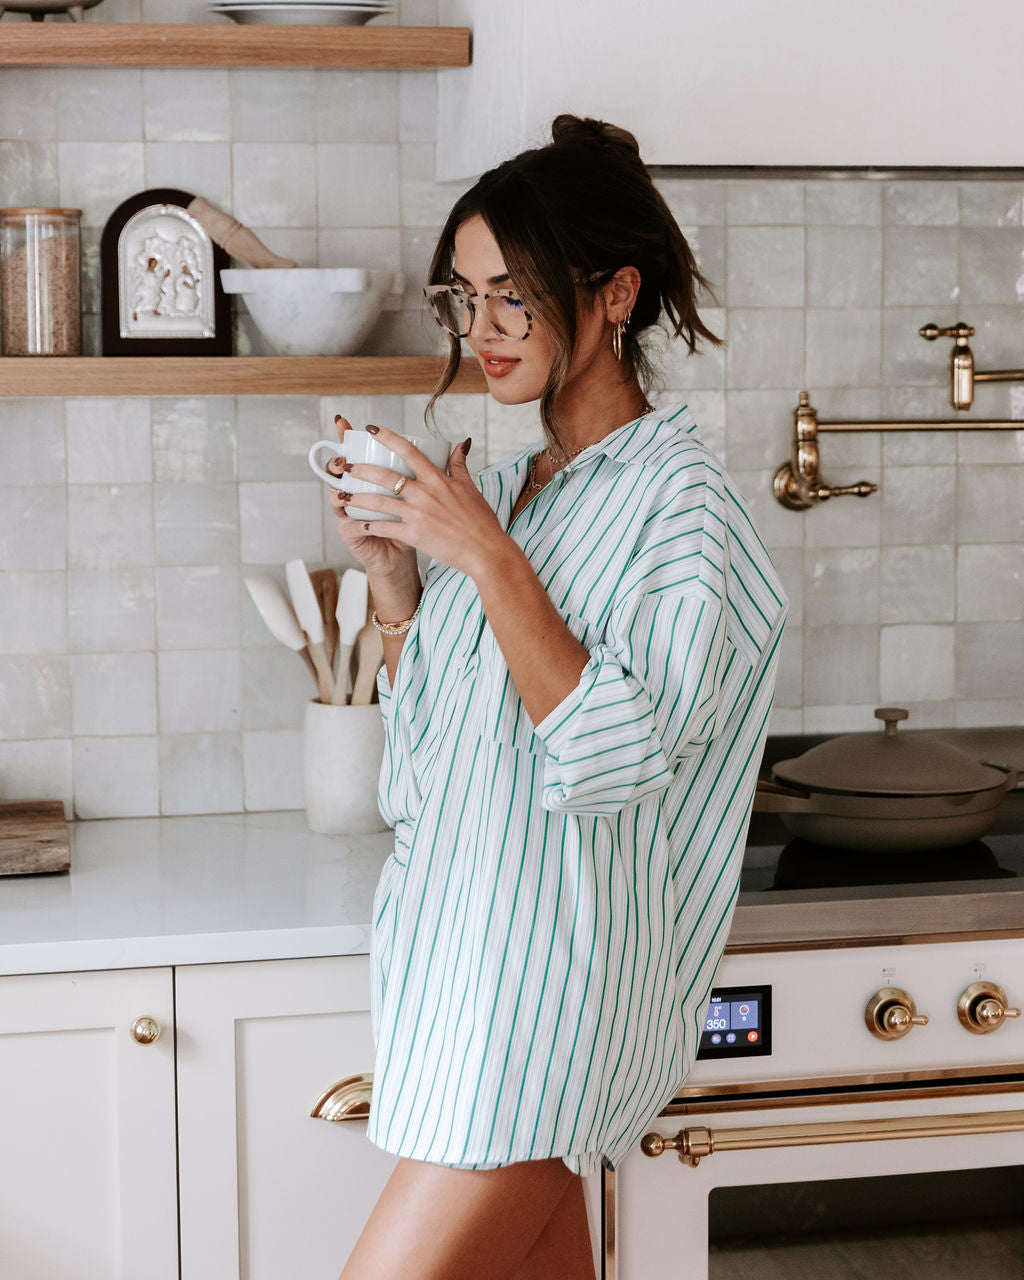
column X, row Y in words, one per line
column 437, row 1223
column 563, row 1250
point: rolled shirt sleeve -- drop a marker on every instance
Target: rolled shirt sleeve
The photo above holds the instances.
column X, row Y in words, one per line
column 648, row 698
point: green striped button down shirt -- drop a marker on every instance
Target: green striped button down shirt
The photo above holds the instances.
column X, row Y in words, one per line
column 546, row 931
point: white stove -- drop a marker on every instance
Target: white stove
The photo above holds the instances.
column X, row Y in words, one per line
column 863, row 1040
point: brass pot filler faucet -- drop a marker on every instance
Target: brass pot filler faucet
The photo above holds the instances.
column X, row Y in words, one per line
column 798, row 483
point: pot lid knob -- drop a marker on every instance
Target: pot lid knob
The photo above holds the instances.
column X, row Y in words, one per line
column 892, row 716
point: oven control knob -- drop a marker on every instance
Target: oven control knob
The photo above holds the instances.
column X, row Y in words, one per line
column 891, row 1013
column 982, row 1008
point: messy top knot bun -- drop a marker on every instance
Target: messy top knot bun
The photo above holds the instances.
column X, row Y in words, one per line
column 582, row 206
column 570, row 129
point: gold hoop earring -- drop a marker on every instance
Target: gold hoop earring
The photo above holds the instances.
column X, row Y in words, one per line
column 617, row 335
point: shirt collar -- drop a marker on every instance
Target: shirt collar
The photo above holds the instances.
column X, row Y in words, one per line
column 630, row 443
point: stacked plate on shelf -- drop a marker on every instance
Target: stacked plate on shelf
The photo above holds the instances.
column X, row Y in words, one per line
column 304, row 12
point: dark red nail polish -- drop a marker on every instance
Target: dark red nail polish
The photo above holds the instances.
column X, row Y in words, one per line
column 345, row 497
column 373, row 430
column 337, row 417
column 467, row 444
column 366, row 527
column 348, row 466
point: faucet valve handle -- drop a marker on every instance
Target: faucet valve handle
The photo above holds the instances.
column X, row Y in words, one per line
column 959, row 331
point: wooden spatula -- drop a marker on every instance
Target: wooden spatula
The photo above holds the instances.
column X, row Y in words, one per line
column 325, row 584
column 369, row 656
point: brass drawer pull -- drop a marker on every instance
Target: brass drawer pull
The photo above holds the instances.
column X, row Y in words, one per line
column 347, row 1099
column 694, row 1144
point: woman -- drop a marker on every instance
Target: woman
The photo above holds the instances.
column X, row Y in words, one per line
column 576, row 701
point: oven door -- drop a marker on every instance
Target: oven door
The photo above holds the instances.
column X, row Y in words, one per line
column 928, row 1181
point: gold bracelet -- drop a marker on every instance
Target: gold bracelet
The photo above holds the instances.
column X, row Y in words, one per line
column 394, row 628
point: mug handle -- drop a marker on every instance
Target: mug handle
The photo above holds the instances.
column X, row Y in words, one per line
column 336, row 482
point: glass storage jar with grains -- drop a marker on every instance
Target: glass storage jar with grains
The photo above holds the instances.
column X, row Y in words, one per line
column 39, row 282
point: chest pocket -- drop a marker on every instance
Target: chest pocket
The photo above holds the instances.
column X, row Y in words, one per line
column 503, row 717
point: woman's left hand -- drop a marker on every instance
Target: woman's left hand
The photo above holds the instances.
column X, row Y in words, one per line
column 444, row 516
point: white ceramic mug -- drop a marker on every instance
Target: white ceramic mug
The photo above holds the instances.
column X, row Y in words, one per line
column 361, row 446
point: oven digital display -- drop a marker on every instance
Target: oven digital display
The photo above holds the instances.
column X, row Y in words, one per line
column 738, row 1023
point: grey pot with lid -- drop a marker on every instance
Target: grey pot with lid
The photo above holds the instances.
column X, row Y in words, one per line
column 887, row 792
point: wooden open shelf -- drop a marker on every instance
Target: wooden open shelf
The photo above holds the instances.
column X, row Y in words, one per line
column 140, row 44
column 229, row 376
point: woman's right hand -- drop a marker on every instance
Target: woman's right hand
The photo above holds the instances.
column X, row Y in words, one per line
column 380, row 557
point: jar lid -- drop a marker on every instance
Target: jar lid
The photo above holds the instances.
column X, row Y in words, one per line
column 888, row 763
column 31, row 210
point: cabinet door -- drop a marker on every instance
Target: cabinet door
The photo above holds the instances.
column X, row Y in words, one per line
column 796, row 82
column 87, row 1160
column 266, row 1191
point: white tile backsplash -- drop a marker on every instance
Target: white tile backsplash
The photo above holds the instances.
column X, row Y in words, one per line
column 272, row 764
column 135, row 675
column 201, row 773
column 274, row 183
column 186, row 105
column 194, row 440
column 765, row 267
column 113, row 694
column 33, row 614
column 196, row 524
column 198, row 607
column 916, row 664
column 199, row 690
column 32, row 442
column 357, row 184
column 281, row 520
column 116, row 777
column 84, row 97
column 33, row 527
column 108, row 441
column 35, row 697
column 110, row 610
column 97, row 176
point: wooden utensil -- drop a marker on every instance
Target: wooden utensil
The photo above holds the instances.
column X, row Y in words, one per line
column 277, row 612
column 352, row 600
column 369, row 657
column 325, row 584
column 307, row 610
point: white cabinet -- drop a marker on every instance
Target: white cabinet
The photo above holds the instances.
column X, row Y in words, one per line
column 267, row 1191
column 797, row 82
column 87, row 1158
column 92, row 1184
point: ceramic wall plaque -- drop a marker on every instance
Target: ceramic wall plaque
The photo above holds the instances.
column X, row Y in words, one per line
column 161, row 291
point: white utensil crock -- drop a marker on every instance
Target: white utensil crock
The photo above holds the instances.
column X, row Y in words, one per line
column 342, row 752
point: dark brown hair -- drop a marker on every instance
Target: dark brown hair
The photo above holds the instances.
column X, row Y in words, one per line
column 583, row 204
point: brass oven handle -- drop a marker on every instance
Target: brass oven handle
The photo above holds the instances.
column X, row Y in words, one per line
column 694, row 1144
column 346, row 1099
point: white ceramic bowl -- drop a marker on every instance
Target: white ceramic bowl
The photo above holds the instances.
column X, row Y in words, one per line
column 313, row 311
column 43, row 7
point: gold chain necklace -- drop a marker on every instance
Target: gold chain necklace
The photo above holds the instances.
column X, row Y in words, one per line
column 563, row 459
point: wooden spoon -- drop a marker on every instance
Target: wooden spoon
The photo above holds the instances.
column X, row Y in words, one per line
column 369, row 657
column 325, row 584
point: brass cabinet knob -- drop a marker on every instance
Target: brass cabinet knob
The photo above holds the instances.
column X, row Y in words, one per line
column 891, row 1014
column 983, row 1007
column 145, row 1030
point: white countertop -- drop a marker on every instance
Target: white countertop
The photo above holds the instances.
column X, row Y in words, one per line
column 199, row 890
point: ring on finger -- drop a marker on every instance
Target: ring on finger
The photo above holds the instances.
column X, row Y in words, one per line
column 399, row 485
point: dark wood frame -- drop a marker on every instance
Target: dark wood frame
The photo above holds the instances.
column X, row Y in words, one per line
column 113, row 343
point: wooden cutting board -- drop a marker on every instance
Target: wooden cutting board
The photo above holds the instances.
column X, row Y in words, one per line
column 33, row 838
